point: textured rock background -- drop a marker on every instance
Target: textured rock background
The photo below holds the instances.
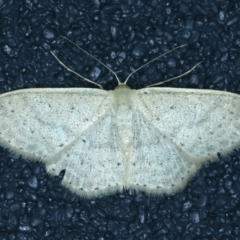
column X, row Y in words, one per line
column 123, row 34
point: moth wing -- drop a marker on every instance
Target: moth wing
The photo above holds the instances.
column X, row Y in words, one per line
column 157, row 165
column 175, row 131
column 93, row 161
column 202, row 123
column 69, row 129
column 39, row 123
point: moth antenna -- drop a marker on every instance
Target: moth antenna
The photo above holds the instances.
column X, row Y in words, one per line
column 183, row 74
column 119, row 83
column 152, row 61
column 70, row 70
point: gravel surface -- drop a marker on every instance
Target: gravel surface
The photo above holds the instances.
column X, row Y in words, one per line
column 124, row 35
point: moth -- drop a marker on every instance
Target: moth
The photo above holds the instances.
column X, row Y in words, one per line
column 150, row 140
